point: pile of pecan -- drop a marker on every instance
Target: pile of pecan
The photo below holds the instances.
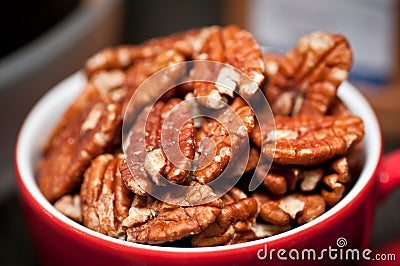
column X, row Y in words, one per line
column 315, row 145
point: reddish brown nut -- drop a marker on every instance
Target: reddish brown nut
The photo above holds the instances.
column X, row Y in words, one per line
column 243, row 52
column 90, row 130
column 271, row 212
column 233, row 195
column 273, row 181
column 252, row 162
column 336, row 182
column 239, row 121
column 148, row 157
column 162, row 223
column 105, row 201
column 119, row 57
column 222, row 230
column 208, row 93
column 338, row 108
column 132, row 171
column 187, row 43
column 283, row 178
column 313, row 70
column 305, row 140
column 258, row 230
column 256, row 136
column 70, row 206
column 314, row 207
column 290, row 208
column 178, row 140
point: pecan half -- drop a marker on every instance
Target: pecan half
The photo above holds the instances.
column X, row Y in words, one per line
column 307, row 140
column 187, row 43
column 91, row 129
column 237, row 120
column 105, row 201
column 132, row 171
column 143, row 69
column 290, row 208
column 155, row 222
column 70, row 206
column 233, row 195
column 236, row 47
column 223, row 229
column 161, row 145
column 258, row 230
column 305, row 81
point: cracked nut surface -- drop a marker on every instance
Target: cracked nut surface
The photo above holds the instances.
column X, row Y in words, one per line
column 187, row 43
column 105, row 201
column 223, row 229
column 306, row 79
column 316, row 141
column 159, row 222
column 290, row 208
column 161, row 144
column 237, row 120
column 307, row 140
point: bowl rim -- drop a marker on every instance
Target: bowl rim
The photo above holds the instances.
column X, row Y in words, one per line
column 72, row 85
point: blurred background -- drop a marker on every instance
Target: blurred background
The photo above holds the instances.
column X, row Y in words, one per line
column 45, row 41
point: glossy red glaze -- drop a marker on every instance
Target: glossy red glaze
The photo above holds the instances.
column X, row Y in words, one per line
column 389, row 174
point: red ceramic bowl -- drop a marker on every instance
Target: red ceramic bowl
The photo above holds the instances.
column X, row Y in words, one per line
column 339, row 234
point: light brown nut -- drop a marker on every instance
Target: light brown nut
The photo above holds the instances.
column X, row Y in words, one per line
column 223, row 229
column 226, row 145
column 139, row 212
column 70, row 206
column 304, row 140
column 314, row 70
column 105, row 201
column 311, row 177
column 236, row 47
column 90, row 131
column 167, row 223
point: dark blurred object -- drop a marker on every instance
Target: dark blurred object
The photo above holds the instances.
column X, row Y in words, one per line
column 22, row 20
column 149, row 19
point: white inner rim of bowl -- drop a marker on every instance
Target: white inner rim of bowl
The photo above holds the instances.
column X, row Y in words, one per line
column 49, row 109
